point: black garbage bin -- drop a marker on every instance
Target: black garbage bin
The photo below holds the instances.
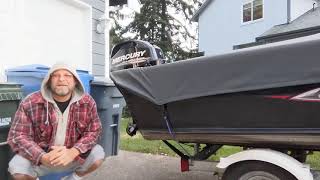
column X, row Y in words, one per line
column 10, row 96
column 110, row 103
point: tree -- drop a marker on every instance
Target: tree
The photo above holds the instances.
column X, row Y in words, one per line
column 115, row 31
column 167, row 24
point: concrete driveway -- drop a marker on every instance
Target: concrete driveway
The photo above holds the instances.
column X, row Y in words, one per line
column 140, row 166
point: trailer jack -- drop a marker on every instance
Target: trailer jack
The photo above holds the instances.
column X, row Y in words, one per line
column 184, row 165
column 205, row 153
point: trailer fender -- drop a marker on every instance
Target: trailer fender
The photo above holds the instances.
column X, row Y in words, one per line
column 297, row 169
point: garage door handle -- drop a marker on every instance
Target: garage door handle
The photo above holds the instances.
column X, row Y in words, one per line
column 113, row 125
column 3, row 143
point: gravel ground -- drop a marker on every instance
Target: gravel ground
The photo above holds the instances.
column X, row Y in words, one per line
column 140, row 166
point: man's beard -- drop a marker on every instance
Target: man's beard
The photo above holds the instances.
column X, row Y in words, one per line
column 61, row 91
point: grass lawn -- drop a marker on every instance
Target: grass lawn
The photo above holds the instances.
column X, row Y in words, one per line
column 138, row 144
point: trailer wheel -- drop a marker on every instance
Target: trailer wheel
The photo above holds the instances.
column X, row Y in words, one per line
column 256, row 170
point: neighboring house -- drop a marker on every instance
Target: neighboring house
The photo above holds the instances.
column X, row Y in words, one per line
column 223, row 25
column 305, row 25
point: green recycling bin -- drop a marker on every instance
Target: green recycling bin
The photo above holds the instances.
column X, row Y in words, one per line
column 10, row 96
column 110, row 103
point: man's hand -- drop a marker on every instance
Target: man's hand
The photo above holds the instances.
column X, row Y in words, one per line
column 61, row 156
column 45, row 160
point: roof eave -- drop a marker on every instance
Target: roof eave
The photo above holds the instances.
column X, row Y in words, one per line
column 287, row 33
column 195, row 17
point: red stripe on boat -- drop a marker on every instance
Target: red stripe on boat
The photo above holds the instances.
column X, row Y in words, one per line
column 279, row 97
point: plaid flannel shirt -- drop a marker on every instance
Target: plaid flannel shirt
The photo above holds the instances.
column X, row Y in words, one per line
column 31, row 135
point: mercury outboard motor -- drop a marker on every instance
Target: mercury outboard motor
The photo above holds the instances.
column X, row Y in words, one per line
column 135, row 53
column 132, row 54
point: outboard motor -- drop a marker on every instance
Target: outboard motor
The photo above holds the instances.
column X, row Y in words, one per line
column 132, row 54
column 135, row 53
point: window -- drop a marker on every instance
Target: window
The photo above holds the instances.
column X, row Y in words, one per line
column 252, row 10
column 257, row 9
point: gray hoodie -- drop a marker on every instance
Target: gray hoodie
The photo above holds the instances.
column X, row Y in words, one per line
column 47, row 95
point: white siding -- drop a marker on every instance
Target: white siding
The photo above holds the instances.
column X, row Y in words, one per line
column 220, row 25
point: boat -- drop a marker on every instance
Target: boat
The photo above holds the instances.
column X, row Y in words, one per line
column 267, row 96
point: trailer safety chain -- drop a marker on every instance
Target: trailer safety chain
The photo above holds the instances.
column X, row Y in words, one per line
column 170, row 129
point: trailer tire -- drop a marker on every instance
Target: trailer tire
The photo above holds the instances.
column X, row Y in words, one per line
column 256, row 170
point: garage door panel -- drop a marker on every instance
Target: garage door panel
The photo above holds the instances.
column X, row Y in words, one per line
column 44, row 32
column 57, row 30
column 7, row 38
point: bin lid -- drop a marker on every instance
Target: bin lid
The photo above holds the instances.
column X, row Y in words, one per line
column 98, row 81
column 38, row 68
column 84, row 74
column 10, row 91
column 29, row 68
column 80, row 71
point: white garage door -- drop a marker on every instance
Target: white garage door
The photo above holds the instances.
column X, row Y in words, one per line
column 45, row 32
column 7, row 16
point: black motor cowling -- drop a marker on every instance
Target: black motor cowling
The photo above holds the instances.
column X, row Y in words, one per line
column 135, row 53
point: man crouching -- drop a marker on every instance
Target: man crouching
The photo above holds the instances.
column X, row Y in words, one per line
column 56, row 129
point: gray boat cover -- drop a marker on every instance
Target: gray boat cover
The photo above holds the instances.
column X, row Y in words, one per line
column 264, row 67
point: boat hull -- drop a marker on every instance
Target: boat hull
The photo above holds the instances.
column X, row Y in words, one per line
column 261, row 118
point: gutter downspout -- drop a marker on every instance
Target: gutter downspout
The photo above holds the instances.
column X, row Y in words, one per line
column 288, row 11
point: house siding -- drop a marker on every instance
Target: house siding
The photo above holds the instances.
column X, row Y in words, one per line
column 98, row 40
column 221, row 27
